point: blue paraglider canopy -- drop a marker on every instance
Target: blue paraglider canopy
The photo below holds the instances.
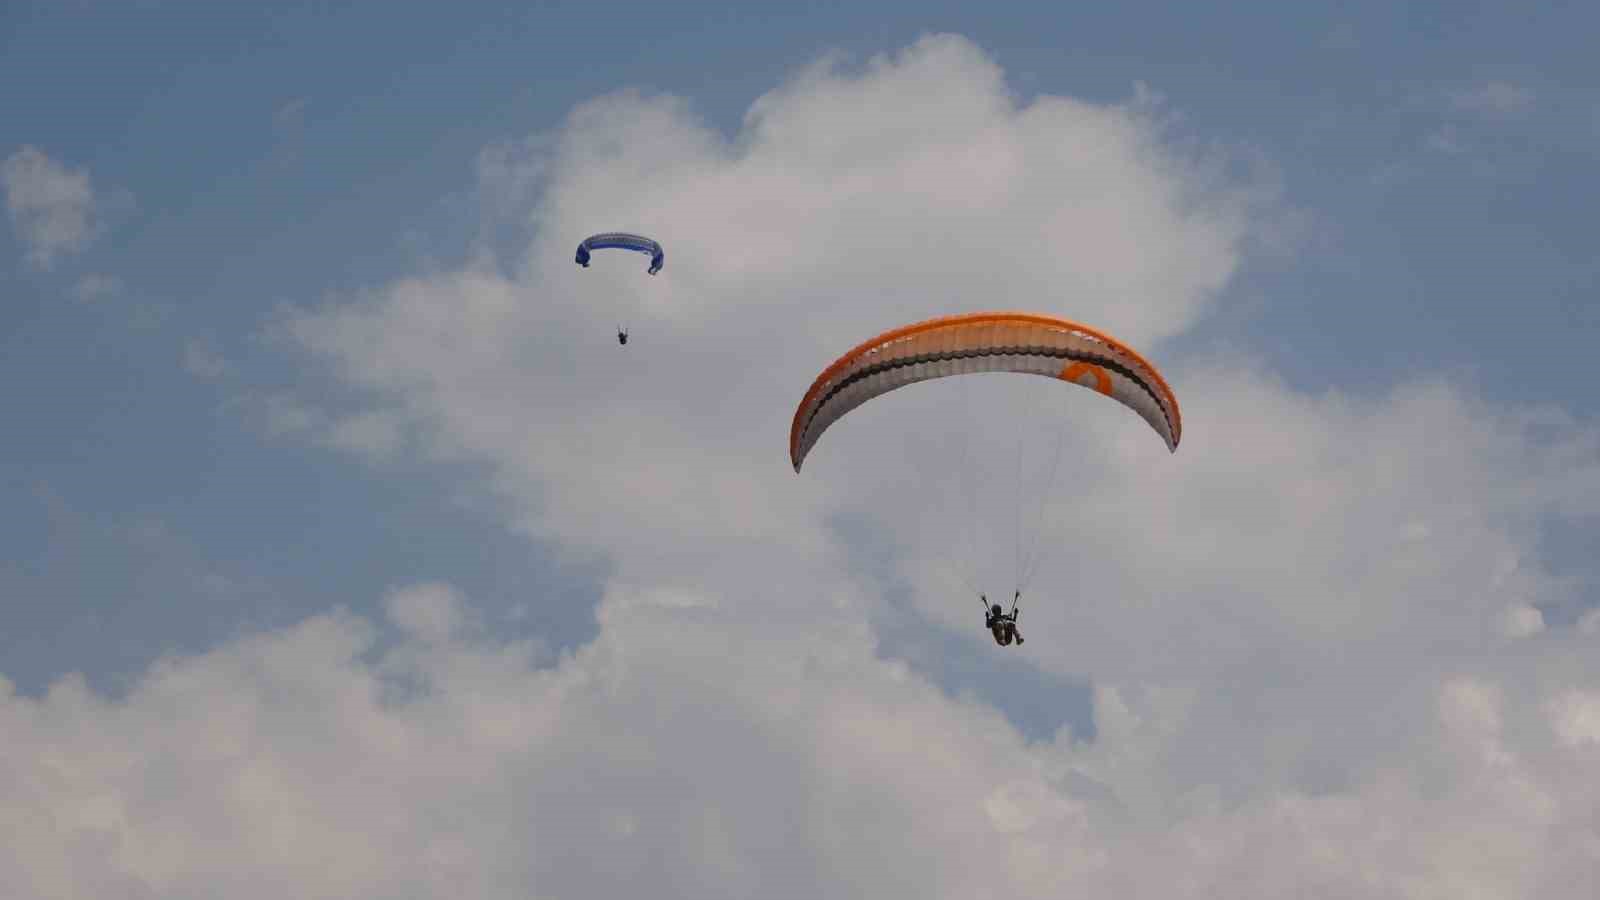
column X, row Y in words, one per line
column 619, row 240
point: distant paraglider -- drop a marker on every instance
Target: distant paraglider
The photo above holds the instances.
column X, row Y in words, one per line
column 621, row 240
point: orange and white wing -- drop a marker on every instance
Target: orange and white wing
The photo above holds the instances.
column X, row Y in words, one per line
column 1025, row 343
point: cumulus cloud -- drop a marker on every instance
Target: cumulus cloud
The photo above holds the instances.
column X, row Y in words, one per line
column 1298, row 553
column 288, row 130
column 509, row 175
column 376, row 434
column 202, row 359
column 1341, row 37
column 290, row 114
column 1445, row 140
column 93, row 287
column 707, row 758
column 51, row 206
column 1494, row 98
column 1522, row 620
column 1311, row 632
column 849, row 202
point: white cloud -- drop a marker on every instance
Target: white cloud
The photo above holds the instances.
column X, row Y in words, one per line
column 51, row 207
column 1341, row 37
column 853, row 202
column 849, row 203
column 379, row 435
column 1445, row 140
column 153, row 314
column 290, row 114
column 202, row 359
column 428, row 612
column 288, row 130
column 700, row 757
column 1296, row 626
column 1494, row 98
column 1522, row 620
column 93, row 287
column 1589, row 622
column 509, row 174
column 1576, row 717
column 282, row 414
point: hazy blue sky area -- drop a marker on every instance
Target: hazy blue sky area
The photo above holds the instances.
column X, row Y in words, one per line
column 304, row 397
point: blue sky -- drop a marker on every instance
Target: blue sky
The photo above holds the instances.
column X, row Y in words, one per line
column 1418, row 182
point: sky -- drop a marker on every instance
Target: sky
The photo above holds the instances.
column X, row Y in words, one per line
column 344, row 553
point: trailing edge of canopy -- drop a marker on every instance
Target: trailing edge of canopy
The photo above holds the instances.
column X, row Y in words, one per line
column 1025, row 343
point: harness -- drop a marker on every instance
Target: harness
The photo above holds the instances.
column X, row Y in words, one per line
column 1004, row 625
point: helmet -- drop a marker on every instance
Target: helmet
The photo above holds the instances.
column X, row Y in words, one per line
column 995, row 610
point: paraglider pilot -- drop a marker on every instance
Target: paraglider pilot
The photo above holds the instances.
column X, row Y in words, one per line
column 1001, row 624
column 622, row 336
